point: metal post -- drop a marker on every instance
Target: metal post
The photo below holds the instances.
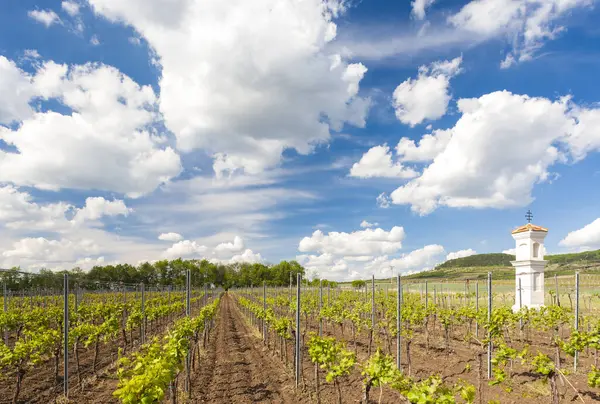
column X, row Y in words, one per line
column 373, row 305
column 477, row 309
column 5, row 310
column 66, row 335
column 490, row 347
column 556, row 290
column 76, row 297
column 297, row 350
column 290, row 286
column 434, row 295
column 398, row 324
column 264, row 323
column 426, row 295
column 143, row 333
column 520, row 305
column 576, row 358
column 188, row 289
column 320, row 308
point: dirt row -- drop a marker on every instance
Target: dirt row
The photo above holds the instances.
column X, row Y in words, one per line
column 234, row 367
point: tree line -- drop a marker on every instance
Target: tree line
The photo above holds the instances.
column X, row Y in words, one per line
column 160, row 274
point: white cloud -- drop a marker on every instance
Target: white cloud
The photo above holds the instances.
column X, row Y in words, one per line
column 235, row 247
column 31, row 54
column 586, row 238
column 70, row 7
column 383, row 201
column 246, row 80
column 377, row 162
column 98, row 207
column 511, row 251
column 364, row 224
column 460, row 254
column 19, row 211
column 41, row 248
column 111, row 122
column 527, row 24
column 89, row 262
column 247, row 256
column 184, row 249
column 362, row 242
column 427, row 96
column 429, row 146
column 419, row 7
column 420, row 259
column 16, row 91
column 134, row 40
column 223, row 253
column 502, row 145
column 170, row 237
column 94, row 40
column 46, row 17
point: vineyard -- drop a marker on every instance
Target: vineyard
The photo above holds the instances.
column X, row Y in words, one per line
column 385, row 342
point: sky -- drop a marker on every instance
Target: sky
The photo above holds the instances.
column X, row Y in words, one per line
column 358, row 137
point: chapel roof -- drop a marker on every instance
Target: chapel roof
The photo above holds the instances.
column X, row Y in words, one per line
column 529, row 227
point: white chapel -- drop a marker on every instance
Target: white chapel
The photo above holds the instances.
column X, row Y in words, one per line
column 529, row 266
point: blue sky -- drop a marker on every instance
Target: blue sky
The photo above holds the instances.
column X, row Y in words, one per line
column 257, row 131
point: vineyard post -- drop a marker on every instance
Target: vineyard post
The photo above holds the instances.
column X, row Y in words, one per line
column 76, row 296
column 426, row 295
column 297, row 350
column 264, row 322
column 520, row 305
column 290, row 286
column 5, row 309
column 372, row 311
column 320, row 308
column 477, row 309
column 188, row 287
column 143, row 333
column 434, row 295
column 398, row 322
column 328, row 295
column 576, row 358
column 66, row 335
column 489, row 317
column 556, row 290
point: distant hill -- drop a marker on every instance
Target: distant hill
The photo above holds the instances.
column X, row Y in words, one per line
column 479, row 260
column 477, row 266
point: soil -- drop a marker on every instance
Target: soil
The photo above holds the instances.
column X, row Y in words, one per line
column 238, row 368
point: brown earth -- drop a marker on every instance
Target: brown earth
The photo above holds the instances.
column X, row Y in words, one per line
column 238, row 368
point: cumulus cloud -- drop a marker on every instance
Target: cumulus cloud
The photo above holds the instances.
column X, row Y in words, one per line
column 246, row 80
column 16, row 90
column 98, row 207
column 511, row 251
column 383, row 201
column 427, row 96
column 527, row 24
column 46, row 17
column 377, row 162
column 502, row 145
column 18, row 210
column 70, row 7
column 362, row 242
column 364, row 224
column 40, row 248
column 184, row 249
column 111, row 121
column 460, row 254
column 222, row 253
column 586, row 238
column 170, row 237
column 428, row 148
column 419, row 7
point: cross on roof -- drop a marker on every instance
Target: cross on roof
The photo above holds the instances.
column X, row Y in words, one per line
column 529, row 216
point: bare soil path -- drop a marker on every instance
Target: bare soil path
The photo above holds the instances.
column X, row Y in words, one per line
column 238, row 368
